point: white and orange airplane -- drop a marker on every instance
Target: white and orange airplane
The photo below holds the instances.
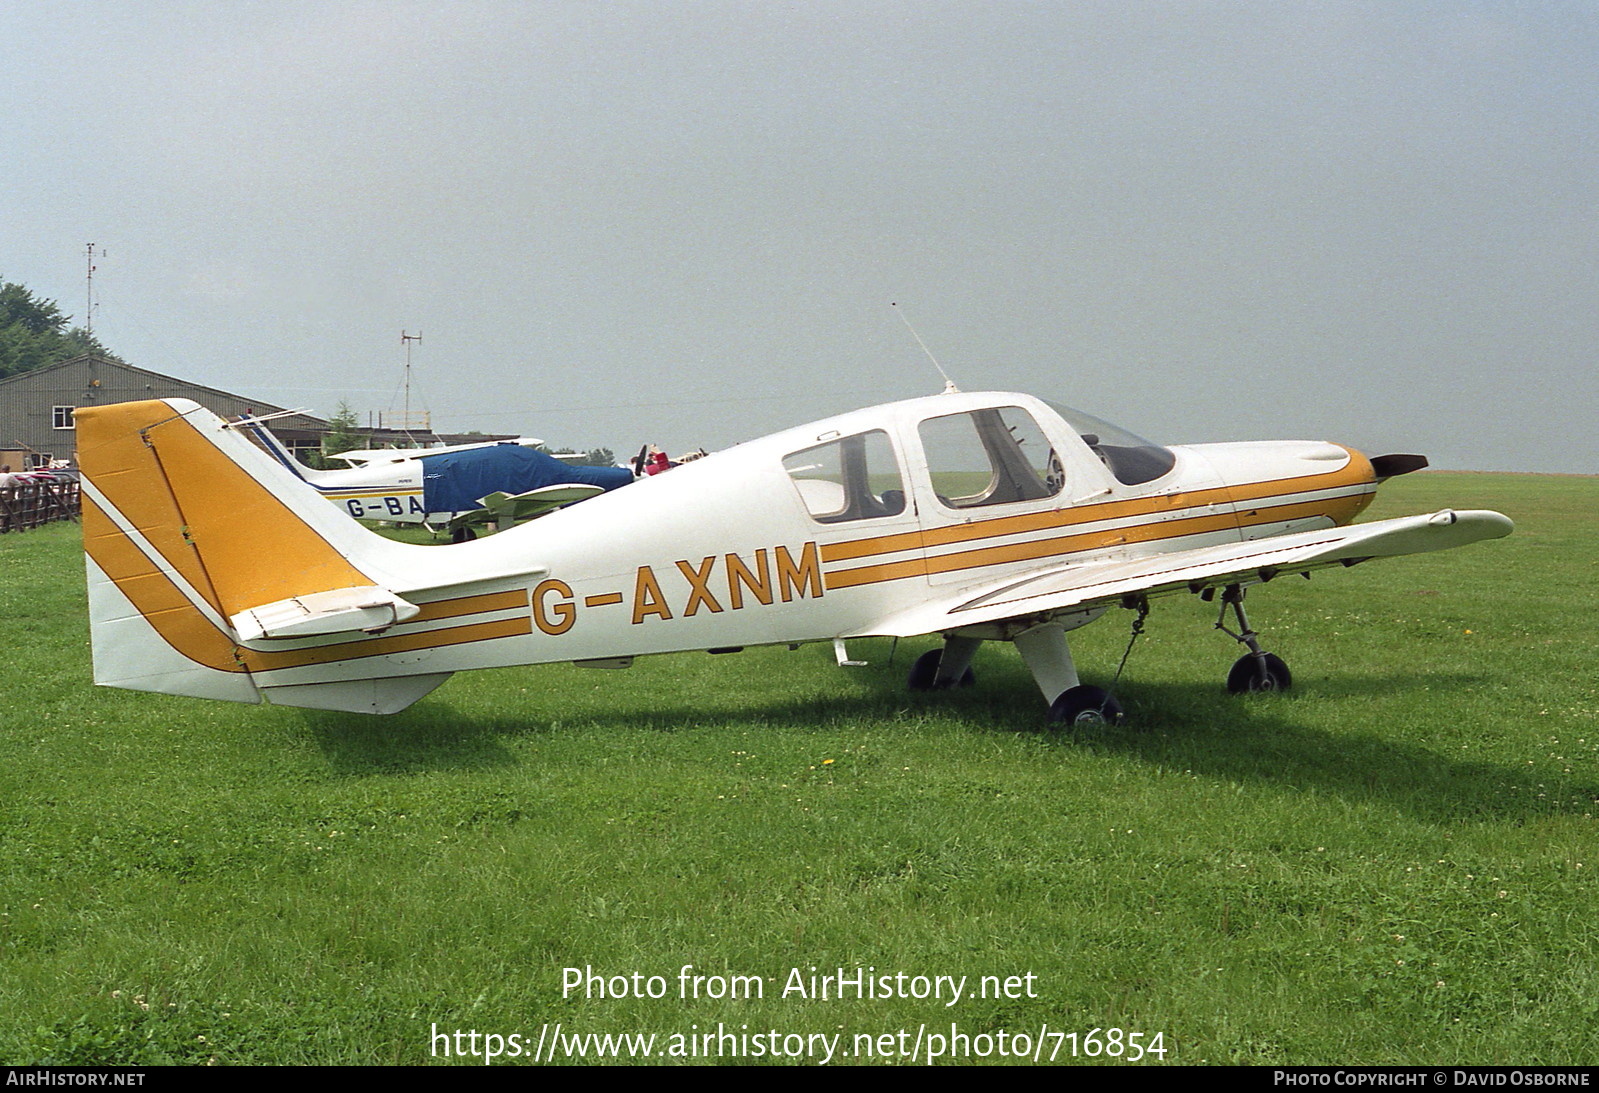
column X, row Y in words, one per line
column 217, row 573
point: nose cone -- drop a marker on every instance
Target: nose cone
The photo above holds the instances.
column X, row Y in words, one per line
column 1294, row 483
column 1359, row 467
column 1272, row 460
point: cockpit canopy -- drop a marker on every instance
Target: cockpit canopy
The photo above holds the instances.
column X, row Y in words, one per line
column 1131, row 458
column 975, row 458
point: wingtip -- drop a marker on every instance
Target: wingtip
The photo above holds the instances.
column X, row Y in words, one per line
column 1493, row 525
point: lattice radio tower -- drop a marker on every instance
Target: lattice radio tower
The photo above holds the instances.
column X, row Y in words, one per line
column 88, row 310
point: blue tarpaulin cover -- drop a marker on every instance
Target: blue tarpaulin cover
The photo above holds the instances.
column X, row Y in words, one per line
column 456, row 481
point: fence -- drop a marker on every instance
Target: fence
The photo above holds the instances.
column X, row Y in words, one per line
column 34, row 503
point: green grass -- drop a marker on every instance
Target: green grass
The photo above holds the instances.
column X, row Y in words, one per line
column 1391, row 864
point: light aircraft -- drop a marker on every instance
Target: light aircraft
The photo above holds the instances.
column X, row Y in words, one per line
column 216, row 572
column 366, row 457
column 462, row 485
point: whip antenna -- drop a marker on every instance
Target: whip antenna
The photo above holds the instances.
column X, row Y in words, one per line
column 949, row 384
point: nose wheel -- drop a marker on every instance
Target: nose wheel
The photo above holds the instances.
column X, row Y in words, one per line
column 1262, row 672
column 1256, row 670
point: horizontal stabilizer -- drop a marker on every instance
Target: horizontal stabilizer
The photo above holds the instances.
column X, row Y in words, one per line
column 339, row 611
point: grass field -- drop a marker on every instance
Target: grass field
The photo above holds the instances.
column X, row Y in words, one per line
column 1394, row 863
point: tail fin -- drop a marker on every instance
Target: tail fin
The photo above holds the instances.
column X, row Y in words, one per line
column 276, row 449
column 197, row 543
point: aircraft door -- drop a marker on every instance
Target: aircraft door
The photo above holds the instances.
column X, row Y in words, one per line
column 994, row 480
column 863, row 517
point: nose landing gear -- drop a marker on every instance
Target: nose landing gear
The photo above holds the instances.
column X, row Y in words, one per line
column 1256, row 670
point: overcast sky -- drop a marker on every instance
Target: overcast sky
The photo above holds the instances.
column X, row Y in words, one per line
column 685, row 222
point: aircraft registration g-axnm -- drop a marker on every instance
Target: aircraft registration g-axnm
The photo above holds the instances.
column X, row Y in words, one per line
column 215, row 572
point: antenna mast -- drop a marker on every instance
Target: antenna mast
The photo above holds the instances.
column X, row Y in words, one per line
column 88, row 311
column 407, row 421
column 406, row 340
column 949, row 384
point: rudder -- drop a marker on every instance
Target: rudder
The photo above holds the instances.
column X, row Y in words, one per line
column 191, row 534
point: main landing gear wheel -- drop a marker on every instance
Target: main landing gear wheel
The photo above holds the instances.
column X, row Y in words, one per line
column 1085, row 705
column 1251, row 673
column 924, row 674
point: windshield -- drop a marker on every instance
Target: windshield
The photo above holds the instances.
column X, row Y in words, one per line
column 1131, row 458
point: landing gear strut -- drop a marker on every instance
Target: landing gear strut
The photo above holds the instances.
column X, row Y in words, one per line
column 1071, row 702
column 943, row 669
column 1256, row 670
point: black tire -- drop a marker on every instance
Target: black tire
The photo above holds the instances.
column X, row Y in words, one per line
column 924, row 674
column 1246, row 676
column 462, row 534
column 1084, row 705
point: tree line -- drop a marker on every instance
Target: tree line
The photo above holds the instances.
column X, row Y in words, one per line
column 34, row 333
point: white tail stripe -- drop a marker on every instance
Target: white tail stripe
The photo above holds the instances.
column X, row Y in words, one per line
column 155, row 557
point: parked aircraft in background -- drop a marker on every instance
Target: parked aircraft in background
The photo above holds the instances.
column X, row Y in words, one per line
column 434, row 486
column 216, row 572
column 362, row 457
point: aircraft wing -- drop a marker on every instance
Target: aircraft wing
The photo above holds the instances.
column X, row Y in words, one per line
column 1063, row 589
column 514, row 508
column 525, row 506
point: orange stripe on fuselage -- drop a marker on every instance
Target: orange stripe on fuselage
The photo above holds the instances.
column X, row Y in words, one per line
column 1356, row 471
column 404, row 643
column 1340, row 510
column 182, row 625
column 471, row 605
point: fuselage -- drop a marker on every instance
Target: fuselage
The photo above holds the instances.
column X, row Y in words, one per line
column 702, row 555
column 789, row 538
column 833, row 529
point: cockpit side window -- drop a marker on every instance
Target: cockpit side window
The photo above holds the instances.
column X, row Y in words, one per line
column 1131, row 458
column 992, row 456
column 851, row 478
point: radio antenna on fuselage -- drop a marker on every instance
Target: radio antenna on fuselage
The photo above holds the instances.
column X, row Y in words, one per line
column 949, row 384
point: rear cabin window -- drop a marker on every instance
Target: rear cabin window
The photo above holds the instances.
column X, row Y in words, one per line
column 851, row 478
column 993, row 456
